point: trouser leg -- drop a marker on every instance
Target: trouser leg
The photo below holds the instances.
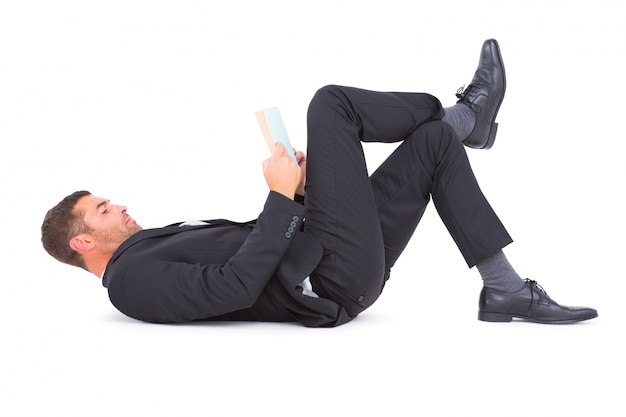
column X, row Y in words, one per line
column 433, row 162
column 341, row 209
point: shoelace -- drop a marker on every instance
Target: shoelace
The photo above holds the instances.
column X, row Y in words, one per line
column 533, row 284
column 467, row 95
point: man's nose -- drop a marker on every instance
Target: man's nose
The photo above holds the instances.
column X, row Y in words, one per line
column 121, row 209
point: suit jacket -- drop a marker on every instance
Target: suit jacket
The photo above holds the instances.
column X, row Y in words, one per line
column 222, row 271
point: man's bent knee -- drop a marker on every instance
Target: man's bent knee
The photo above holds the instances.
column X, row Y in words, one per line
column 326, row 97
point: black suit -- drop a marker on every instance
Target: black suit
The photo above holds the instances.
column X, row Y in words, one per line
column 346, row 237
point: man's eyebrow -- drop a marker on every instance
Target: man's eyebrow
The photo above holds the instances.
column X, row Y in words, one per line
column 102, row 203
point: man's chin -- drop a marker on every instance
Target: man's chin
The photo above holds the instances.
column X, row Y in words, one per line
column 134, row 229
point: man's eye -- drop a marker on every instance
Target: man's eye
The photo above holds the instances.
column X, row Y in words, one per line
column 105, row 211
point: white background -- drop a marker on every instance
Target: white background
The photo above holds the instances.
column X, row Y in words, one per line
column 151, row 104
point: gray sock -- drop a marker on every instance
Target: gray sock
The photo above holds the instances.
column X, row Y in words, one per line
column 497, row 273
column 461, row 118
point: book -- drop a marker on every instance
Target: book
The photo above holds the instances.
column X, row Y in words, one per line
column 273, row 129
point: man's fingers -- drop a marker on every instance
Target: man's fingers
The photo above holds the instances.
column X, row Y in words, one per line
column 279, row 149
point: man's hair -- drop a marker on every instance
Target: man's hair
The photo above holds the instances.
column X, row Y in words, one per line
column 61, row 224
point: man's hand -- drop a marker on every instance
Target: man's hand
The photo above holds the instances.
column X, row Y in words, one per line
column 281, row 173
column 301, row 157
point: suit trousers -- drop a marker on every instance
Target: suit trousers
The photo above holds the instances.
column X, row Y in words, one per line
column 365, row 222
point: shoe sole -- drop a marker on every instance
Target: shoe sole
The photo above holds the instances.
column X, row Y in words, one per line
column 494, row 126
column 504, row 317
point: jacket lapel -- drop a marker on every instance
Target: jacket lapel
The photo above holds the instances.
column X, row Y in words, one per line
column 170, row 230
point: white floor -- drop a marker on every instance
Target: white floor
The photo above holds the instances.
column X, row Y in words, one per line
column 151, row 104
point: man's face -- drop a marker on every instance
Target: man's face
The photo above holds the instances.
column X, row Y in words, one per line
column 110, row 224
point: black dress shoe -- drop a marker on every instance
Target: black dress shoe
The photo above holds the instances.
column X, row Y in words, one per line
column 484, row 96
column 530, row 303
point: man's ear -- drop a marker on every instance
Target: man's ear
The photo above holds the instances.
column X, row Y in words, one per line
column 82, row 243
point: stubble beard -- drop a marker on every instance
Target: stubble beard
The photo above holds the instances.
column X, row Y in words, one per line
column 112, row 238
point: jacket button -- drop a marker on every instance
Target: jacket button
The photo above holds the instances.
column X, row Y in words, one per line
column 361, row 298
column 288, row 235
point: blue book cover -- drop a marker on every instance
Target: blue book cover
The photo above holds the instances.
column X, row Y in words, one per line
column 273, row 129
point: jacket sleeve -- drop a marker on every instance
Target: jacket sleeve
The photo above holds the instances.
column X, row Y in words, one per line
column 169, row 292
